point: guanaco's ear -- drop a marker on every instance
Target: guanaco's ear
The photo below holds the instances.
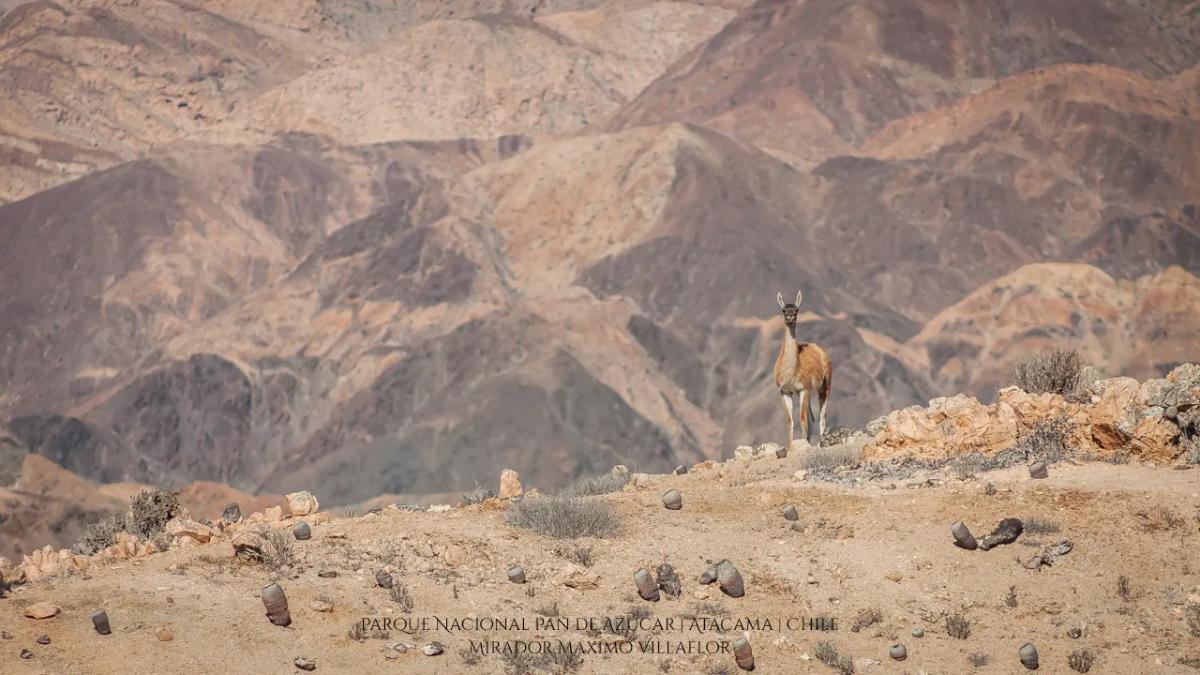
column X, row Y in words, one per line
column 799, row 295
column 779, row 299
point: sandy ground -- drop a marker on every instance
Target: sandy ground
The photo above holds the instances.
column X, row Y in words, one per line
column 883, row 547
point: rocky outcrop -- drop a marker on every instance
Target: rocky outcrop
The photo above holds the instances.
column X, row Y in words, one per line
column 1150, row 421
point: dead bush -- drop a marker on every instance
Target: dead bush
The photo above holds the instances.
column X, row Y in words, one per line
column 866, row 618
column 828, row 654
column 403, row 599
column 979, row 660
column 1160, row 519
column 1039, row 526
column 596, row 485
column 478, row 496
column 100, row 535
column 565, row 517
column 1192, row 614
column 278, row 551
column 1123, row 588
column 1011, row 598
column 149, row 512
column 958, row 626
column 831, row 457
column 581, row 555
column 1080, row 660
column 1057, row 372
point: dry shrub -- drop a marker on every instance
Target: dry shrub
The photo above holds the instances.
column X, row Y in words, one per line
column 1192, row 614
column 1081, row 660
column 597, row 485
column 403, row 599
column 478, row 496
column 1058, row 372
column 979, row 660
column 958, row 626
column 148, row 513
column 1160, row 519
column 565, row 517
column 831, row 457
column 828, row 654
column 1123, row 588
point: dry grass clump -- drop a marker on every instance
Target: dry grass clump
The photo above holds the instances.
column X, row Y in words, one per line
column 1192, row 614
column 828, row 654
column 1058, row 372
column 148, row 513
column 597, row 485
column 1081, row 660
column 1160, row 519
column 958, row 626
column 403, row 599
column 831, row 457
column 478, row 496
column 979, row 660
column 565, row 517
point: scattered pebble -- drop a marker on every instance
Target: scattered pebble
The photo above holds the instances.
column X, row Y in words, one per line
column 791, row 513
column 327, row 574
column 709, row 575
column 963, row 537
column 383, row 579
column 232, row 513
column 432, row 649
column 780, row 452
column 894, row 575
column 320, row 606
column 41, row 610
column 516, row 574
column 673, row 500
column 646, row 586
column 1038, row 470
column 26, row 654
column 730, row 580
column 277, row 606
column 898, row 652
column 305, row 664
column 1075, row 633
column 44, row 640
column 1029, row 656
column 742, row 654
column 5, row 635
column 668, row 580
column 1005, row 533
column 680, row 470
column 165, row 635
column 302, row 531
column 918, row 632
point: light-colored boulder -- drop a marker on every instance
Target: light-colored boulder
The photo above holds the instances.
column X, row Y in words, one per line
column 510, row 484
column 42, row 610
column 949, row 426
column 302, row 503
column 190, row 529
column 577, row 577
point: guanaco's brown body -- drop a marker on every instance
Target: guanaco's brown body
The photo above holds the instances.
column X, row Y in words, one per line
column 801, row 368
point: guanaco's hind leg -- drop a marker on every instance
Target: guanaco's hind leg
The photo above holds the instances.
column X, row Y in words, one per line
column 787, row 406
column 823, row 396
column 804, row 411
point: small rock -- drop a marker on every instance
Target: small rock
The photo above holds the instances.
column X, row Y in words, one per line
column 41, row 610
column 305, row 664
column 248, row 544
column 5, row 635
column 26, row 654
column 272, row 514
column 276, row 603
column 918, row 632
column 894, row 575
column 320, row 606
column 898, row 652
column 1005, row 533
column 383, row 579
column 516, row 574
column 709, row 575
column 780, row 452
column 730, row 580
column 680, row 470
column 963, row 537
column 1029, row 656
column 510, row 484
column 327, row 574
column 1038, row 470
column 1075, row 633
column 44, row 640
column 100, row 622
column 743, row 451
column 668, row 580
column 673, row 500
column 742, row 654
column 302, row 531
column 791, row 513
column 165, row 635
column 646, row 586
column 302, row 503
column 232, row 513
column 432, row 649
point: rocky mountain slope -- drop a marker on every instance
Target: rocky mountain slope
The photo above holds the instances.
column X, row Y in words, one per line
column 368, row 249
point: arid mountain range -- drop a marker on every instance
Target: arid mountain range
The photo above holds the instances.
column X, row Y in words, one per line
column 364, row 248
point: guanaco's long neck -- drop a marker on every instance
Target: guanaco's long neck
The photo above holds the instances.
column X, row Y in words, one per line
column 789, row 351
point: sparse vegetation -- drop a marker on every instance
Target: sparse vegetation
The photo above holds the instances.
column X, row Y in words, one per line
column 548, row 610
column 403, row 599
column 1011, row 598
column 958, row 626
column 1080, row 660
column 979, row 660
column 581, row 555
column 469, row 656
column 866, row 618
column 1047, row 440
column 1160, row 519
column 149, row 511
column 560, row 662
column 1123, row 588
column 278, row 551
column 827, row 653
column 831, row 458
column 596, row 485
column 1058, row 372
column 478, row 495
column 565, row 517
column 1192, row 614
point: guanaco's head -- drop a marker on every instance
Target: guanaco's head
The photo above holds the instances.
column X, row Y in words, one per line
column 790, row 309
